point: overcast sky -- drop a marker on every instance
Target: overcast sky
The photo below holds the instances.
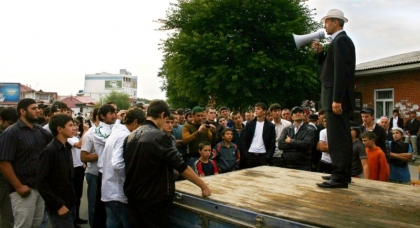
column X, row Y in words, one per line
column 52, row 44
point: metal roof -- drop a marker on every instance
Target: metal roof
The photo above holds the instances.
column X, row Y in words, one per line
column 396, row 60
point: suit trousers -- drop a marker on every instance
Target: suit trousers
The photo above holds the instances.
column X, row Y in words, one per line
column 340, row 145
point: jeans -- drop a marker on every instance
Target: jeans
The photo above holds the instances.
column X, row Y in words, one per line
column 91, row 195
column 117, row 215
column 63, row 222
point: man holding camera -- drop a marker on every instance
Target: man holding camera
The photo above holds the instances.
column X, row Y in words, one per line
column 195, row 132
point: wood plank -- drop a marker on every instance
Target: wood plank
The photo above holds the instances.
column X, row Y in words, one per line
column 293, row 195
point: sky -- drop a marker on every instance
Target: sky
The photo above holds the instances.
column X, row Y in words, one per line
column 52, row 44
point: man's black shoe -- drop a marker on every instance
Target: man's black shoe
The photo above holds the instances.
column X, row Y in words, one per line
column 326, row 178
column 332, row 184
column 77, row 226
column 80, row 221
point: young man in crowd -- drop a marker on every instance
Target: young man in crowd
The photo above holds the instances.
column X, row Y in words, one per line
column 226, row 153
column 19, row 144
column 259, row 138
column 57, row 107
column 378, row 166
column 285, row 114
column 325, row 164
column 55, row 174
column 8, row 116
column 238, row 134
column 279, row 124
column 79, row 170
column 411, row 128
column 296, row 141
column 107, row 116
column 359, row 161
column 205, row 166
column 113, row 170
column 195, row 132
column 400, row 154
column 369, row 124
column 88, row 155
column 150, row 158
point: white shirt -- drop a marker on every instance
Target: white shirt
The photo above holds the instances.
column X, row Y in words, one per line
column 47, row 127
column 87, row 145
column 279, row 129
column 325, row 155
column 335, row 34
column 113, row 170
column 257, row 144
column 395, row 121
column 100, row 135
column 75, row 152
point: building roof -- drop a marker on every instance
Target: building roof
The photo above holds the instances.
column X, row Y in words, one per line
column 24, row 88
column 72, row 102
column 396, row 60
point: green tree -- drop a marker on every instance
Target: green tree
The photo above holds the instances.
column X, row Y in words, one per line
column 240, row 50
column 122, row 100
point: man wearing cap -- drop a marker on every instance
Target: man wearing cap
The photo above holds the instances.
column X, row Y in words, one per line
column 337, row 95
column 411, row 129
column 399, row 156
column 195, row 132
column 370, row 125
column 296, row 141
column 20, row 146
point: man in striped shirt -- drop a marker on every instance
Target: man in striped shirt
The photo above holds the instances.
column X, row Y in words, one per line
column 20, row 146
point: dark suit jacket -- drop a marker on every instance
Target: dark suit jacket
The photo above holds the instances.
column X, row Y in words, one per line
column 413, row 127
column 269, row 136
column 337, row 73
column 400, row 122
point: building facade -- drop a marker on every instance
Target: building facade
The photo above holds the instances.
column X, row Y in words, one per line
column 100, row 84
column 390, row 83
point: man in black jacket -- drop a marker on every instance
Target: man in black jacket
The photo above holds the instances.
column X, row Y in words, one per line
column 150, row 160
column 368, row 116
column 259, row 138
column 411, row 129
column 296, row 141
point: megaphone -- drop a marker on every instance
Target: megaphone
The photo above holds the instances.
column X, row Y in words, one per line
column 301, row 40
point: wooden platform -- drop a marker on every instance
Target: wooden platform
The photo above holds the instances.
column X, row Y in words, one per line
column 293, row 195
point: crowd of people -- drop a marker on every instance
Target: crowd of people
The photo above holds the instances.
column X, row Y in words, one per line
column 131, row 158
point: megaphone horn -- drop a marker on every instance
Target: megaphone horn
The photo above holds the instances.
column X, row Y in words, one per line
column 301, row 40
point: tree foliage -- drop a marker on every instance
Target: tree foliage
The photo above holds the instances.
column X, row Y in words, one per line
column 122, row 100
column 240, row 51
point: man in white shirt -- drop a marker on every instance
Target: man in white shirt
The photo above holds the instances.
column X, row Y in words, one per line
column 79, row 170
column 259, row 139
column 107, row 116
column 113, row 170
column 280, row 124
column 89, row 156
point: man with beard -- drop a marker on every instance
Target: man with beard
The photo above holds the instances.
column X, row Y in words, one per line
column 20, row 146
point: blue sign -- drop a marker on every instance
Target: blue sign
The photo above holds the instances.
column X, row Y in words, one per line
column 9, row 92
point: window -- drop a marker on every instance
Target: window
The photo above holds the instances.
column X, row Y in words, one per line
column 384, row 102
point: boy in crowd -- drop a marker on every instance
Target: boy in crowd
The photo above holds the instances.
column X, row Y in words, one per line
column 400, row 154
column 359, row 161
column 79, row 169
column 204, row 166
column 378, row 166
column 54, row 179
column 226, row 153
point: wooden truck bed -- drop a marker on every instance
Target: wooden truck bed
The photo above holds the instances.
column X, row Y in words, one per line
column 292, row 196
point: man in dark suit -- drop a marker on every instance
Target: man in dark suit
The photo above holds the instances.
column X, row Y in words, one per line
column 396, row 120
column 411, row 129
column 259, row 138
column 337, row 96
